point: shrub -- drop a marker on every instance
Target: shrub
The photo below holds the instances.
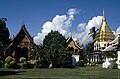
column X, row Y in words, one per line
column 9, row 62
column 22, row 59
column 12, row 64
column 93, row 63
column 80, row 63
column 6, row 65
column 115, row 66
column 23, row 65
column 8, row 59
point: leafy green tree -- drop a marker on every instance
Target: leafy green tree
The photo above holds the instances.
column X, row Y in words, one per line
column 90, row 46
column 4, row 37
column 82, row 55
column 57, row 53
column 87, row 52
column 55, row 38
column 38, row 52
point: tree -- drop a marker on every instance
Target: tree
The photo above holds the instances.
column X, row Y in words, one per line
column 111, row 54
column 4, row 37
column 57, row 53
column 90, row 46
column 92, row 32
column 38, row 54
column 88, row 51
column 54, row 37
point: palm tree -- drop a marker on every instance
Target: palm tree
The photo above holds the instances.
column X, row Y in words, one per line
column 92, row 32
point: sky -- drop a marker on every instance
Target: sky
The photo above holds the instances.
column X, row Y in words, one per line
column 69, row 17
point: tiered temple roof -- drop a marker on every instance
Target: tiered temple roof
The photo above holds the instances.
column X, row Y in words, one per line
column 105, row 34
column 21, row 45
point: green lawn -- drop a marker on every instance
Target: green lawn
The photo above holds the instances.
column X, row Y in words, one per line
column 62, row 73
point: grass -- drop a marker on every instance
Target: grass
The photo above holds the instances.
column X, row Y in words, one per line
column 62, row 73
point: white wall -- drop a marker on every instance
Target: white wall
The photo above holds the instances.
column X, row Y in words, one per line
column 75, row 59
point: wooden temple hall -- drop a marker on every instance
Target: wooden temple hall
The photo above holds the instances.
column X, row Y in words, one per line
column 21, row 45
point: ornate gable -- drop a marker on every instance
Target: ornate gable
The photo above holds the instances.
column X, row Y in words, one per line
column 72, row 45
column 21, row 45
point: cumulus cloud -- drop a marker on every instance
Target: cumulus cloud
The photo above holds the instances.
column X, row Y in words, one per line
column 59, row 23
column 72, row 12
column 63, row 23
column 83, row 30
column 117, row 31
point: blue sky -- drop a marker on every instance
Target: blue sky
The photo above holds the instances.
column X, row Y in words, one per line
column 34, row 13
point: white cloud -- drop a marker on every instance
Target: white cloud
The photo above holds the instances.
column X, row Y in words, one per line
column 72, row 11
column 117, row 31
column 81, row 27
column 59, row 23
column 64, row 22
column 83, row 30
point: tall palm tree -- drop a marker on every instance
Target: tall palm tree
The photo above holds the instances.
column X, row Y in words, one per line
column 92, row 32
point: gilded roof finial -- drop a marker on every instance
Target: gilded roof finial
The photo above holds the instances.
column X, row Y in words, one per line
column 103, row 12
column 103, row 16
column 23, row 23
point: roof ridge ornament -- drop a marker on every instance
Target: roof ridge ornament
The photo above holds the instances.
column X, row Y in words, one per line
column 103, row 17
column 103, row 13
column 23, row 23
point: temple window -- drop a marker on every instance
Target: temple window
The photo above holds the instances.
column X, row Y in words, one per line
column 76, row 50
column 71, row 49
column 26, row 43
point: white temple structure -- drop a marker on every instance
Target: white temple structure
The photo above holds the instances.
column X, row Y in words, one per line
column 102, row 39
column 113, row 45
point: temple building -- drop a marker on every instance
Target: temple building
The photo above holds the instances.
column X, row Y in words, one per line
column 114, row 49
column 102, row 39
column 75, row 50
column 21, row 45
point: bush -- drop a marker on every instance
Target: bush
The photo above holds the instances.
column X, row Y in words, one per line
column 115, row 66
column 6, row 65
column 93, row 63
column 80, row 63
column 26, row 65
column 22, row 59
column 12, row 64
column 8, row 59
column 9, row 62
column 23, row 65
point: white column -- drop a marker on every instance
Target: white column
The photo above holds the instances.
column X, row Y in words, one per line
column 118, row 61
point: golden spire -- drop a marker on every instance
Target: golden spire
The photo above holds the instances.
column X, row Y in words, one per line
column 103, row 12
column 105, row 32
column 103, row 18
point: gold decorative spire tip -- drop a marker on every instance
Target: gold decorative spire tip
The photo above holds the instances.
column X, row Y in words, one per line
column 103, row 12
